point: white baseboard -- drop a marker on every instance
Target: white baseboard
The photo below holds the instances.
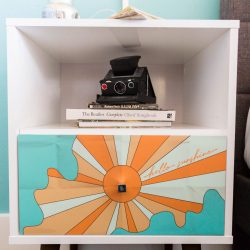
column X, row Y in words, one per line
column 4, row 237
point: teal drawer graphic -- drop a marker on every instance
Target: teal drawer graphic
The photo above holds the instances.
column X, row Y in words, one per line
column 105, row 184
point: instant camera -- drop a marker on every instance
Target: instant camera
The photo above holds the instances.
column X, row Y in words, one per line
column 126, row 83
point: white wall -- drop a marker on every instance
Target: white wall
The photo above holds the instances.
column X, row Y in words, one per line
column 4, row 232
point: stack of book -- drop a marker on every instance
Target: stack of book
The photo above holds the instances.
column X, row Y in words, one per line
column 123, row 115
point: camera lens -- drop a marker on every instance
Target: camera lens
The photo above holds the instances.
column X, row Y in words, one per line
column 131, row 85
column 120, row 87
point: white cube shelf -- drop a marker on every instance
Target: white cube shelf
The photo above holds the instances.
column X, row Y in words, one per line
column 57, row 64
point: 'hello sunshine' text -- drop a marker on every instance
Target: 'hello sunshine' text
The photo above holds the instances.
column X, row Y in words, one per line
column 166, row 166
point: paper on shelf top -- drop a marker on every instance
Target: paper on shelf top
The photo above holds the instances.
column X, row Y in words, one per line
column 131, row 13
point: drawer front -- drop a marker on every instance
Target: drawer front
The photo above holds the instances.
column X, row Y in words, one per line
column 121, row 184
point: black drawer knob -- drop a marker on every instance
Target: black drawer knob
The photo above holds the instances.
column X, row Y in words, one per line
column 122, row 188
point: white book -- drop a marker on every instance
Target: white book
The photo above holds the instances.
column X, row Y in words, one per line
column 120, row 115
column 107, row 124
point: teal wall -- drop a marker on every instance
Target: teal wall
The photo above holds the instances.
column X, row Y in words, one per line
column 172, row 9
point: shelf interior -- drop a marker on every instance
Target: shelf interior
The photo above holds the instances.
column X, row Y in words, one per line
column 188, row 66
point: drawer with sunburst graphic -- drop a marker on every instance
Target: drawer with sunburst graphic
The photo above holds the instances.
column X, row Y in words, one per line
column 121, row 184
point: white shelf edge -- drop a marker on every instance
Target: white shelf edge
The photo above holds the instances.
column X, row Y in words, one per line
column 161, row 23
column 174, row 130
column 114, row 239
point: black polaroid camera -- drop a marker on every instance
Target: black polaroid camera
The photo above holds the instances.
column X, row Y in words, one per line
column 126, row 83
